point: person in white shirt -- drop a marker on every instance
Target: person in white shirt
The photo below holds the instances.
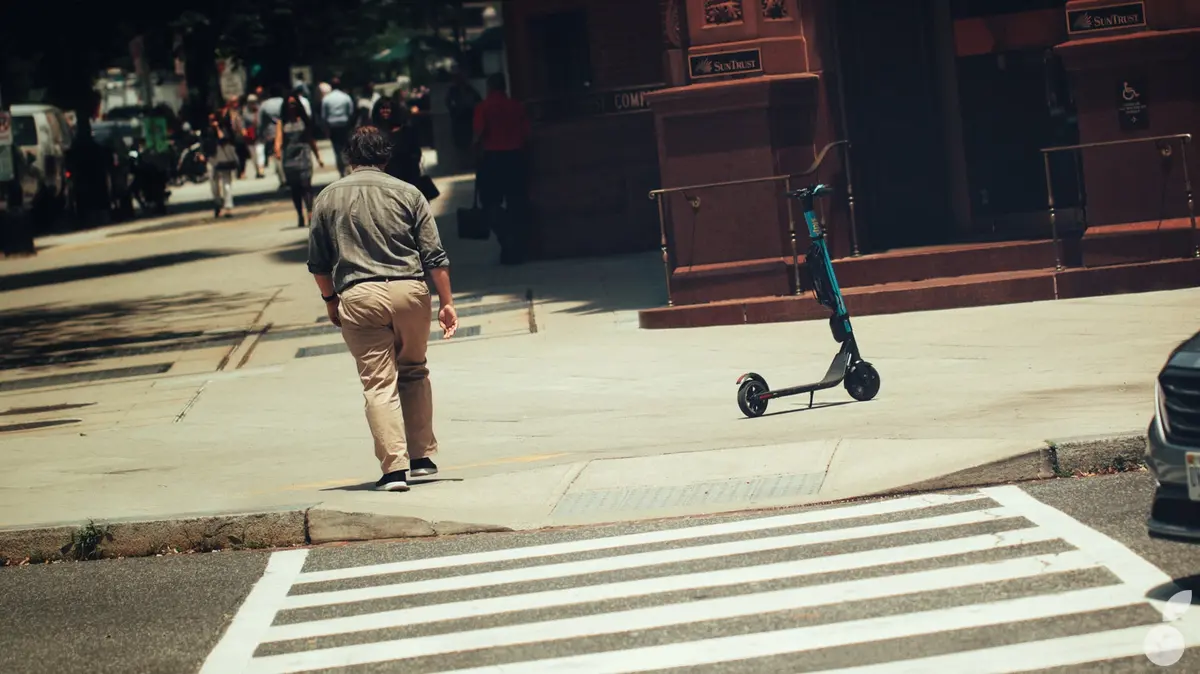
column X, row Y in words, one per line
column 337, row 110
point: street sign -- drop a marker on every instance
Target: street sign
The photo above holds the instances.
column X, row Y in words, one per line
column 1132, row 112
column 6, row 132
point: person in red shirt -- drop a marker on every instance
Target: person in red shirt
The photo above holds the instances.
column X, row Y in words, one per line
column 501, row 134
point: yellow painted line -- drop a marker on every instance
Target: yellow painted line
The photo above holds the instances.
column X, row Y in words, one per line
column 349, row 482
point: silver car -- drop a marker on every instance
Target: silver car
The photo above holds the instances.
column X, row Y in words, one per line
column 1173, row 445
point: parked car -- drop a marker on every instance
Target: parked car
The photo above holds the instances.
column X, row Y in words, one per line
column 42, row 134
column 1173, row 445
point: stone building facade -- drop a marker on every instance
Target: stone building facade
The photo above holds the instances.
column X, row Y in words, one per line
column 947, row 105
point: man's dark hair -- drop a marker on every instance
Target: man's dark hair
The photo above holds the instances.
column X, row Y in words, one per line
column 496, row 82
column 368, row 146
column 336, row 83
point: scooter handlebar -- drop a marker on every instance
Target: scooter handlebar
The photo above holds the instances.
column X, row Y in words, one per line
column 818, row 190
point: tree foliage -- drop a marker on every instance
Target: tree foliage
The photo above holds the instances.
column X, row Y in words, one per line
column 39, row 47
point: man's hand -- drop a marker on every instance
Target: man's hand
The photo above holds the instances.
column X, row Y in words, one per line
column 331, row 308
column 448, row 318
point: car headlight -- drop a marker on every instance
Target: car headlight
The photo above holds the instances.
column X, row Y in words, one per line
column 1160, row 407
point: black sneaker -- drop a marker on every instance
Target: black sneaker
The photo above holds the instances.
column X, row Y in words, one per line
column 393, row 481
column 422, row 467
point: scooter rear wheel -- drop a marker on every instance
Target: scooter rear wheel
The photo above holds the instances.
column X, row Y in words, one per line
column 748, row 400
column 862, row 381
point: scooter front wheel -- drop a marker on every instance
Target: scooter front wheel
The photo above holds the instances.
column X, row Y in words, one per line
column 862, row 381
column 748, row 397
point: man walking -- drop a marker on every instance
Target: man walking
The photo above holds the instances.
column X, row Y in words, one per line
column 372, row 244
column 337, row 108
column 501, row 132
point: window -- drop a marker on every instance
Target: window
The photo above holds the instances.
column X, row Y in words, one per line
column 563, row 51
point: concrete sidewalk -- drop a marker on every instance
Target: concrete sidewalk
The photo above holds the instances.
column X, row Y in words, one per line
column 592, row 421
column 570, row 415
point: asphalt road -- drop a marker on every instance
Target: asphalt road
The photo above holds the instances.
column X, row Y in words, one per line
column 1052, row 576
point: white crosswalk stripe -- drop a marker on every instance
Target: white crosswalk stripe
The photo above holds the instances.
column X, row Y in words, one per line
column 809, row 591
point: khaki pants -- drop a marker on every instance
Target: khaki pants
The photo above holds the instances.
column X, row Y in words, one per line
column 386, row 326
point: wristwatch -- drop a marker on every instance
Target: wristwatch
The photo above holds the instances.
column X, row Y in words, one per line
column 330, row 298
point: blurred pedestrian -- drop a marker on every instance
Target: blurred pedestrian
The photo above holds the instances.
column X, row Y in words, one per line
column 89, row 163
column 233, row 121
column 502, row 132
column 366, row 104
column 271, row 109
column 461, row 100
column 251, row 116
column 373, row 248
column 338, row 111
column 295, row 147
column 223, row 163
column 392, row 117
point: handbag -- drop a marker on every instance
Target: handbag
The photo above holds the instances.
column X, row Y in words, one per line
column 226, row 158
column 471, row 224
column 427, row 187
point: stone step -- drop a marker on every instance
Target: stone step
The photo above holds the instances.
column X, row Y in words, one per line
column 1137, row 242
column 940, row 293
column 775, row 276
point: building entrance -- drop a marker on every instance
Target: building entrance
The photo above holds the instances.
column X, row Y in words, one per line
column 894, row 114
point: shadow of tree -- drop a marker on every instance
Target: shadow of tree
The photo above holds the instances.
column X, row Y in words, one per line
column 98, row 270
column 81, row 334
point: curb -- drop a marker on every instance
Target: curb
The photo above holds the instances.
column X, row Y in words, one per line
column 285, row 528
column 1070, row 457
column 291, row 527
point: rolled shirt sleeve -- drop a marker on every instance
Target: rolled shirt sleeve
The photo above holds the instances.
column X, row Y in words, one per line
column 429, row 240
column 320, row 249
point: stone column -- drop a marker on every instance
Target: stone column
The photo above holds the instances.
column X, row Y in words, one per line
column 755, row 107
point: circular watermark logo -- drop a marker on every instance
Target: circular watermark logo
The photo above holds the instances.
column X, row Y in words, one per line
column 1164, row 644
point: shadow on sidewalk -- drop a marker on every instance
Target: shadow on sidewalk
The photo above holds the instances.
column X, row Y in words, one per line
column 806, row 408
column 80, row 335
column 593, row 285
column 370, row 486
column 86, row 272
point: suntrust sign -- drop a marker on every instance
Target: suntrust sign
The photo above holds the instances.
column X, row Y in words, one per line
column 743, row 62
column 1109, row 17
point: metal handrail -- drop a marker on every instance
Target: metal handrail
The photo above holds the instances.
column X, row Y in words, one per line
column 1184, row 139
column 657, row 195
column 748, row 181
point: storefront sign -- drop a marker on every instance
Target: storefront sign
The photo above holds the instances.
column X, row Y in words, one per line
column 744, row 62
column 1132, row 112
column 613, row 102
column 1111, row 17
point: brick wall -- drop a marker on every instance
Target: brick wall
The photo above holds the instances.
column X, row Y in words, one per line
column 591, row 173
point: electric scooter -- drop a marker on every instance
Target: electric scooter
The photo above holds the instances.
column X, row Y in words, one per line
column 860, row 378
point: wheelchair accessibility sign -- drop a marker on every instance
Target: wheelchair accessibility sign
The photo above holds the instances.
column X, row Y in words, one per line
column 1132, row 112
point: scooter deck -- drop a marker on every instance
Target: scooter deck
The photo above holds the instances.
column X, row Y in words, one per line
column 833, row 377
